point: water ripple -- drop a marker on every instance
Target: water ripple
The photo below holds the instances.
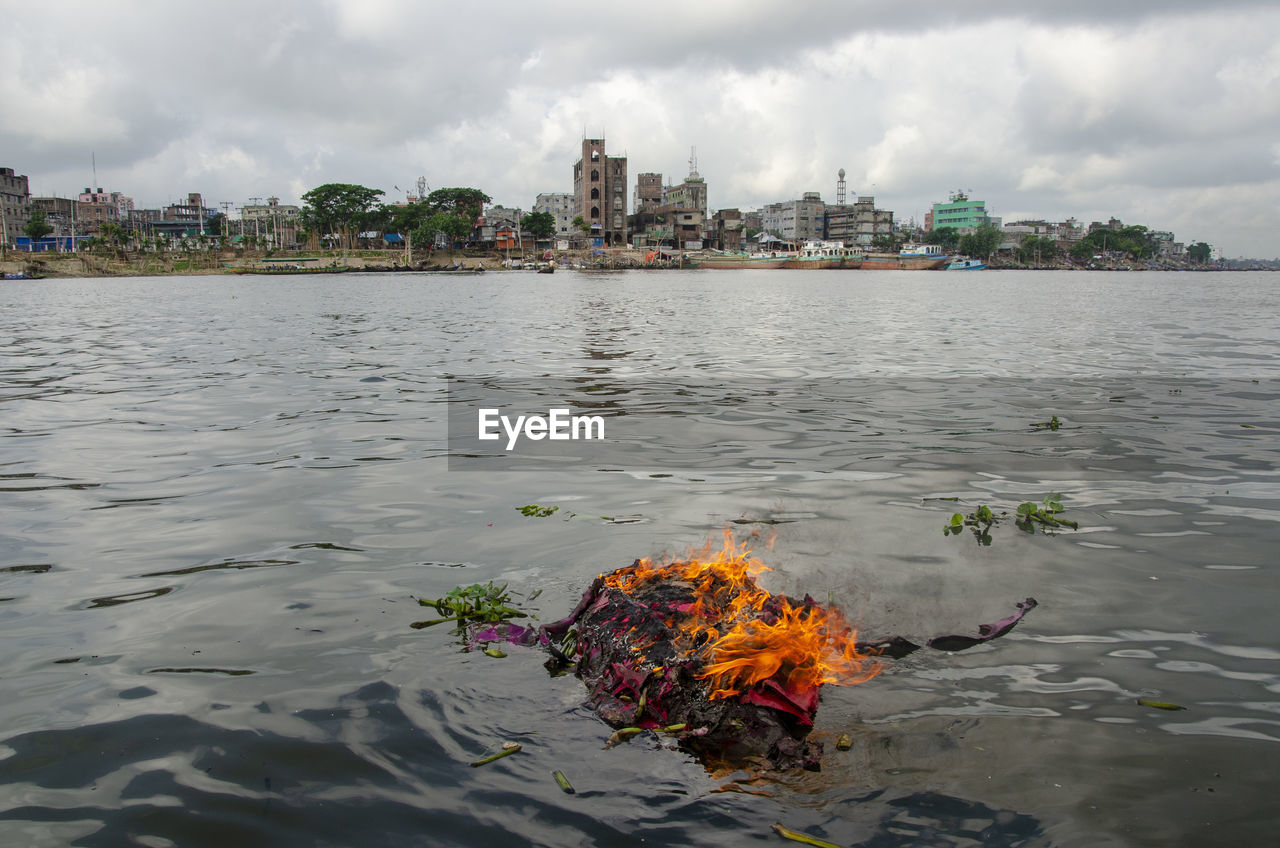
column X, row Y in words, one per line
column 158, row 429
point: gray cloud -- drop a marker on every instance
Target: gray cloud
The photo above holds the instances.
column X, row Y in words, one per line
column 1087, row 108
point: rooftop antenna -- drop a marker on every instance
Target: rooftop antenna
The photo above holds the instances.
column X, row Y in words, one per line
column 94, row 157
column 693, row 163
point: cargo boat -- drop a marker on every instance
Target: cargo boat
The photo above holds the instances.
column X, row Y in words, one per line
column 912, row 257
column 725, row 261
column 826, row 255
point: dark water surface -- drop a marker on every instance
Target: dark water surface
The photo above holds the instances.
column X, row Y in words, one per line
column 220, row 498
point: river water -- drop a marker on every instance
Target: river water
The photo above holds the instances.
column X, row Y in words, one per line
column 222, row 496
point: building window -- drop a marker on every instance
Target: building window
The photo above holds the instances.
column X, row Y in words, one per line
column 595, row 175
column 595, row 194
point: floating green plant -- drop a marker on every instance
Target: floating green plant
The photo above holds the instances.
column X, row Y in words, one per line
column 536, row 511
column 1047, row 514
column 797, row 836
column 508, row 748
column 979, row 521
column 478, row 603
column 1052, row 424
column 563, row 782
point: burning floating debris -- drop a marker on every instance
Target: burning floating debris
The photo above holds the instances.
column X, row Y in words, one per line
column 697, row 642
column 696, row 648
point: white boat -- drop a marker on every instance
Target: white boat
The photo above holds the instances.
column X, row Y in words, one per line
column 964, row 263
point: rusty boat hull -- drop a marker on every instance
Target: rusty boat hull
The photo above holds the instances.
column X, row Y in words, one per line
column 899, row 262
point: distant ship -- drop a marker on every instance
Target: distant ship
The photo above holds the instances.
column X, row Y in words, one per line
column 964, row 263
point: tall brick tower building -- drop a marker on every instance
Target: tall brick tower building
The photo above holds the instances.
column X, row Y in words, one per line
column 600, row 193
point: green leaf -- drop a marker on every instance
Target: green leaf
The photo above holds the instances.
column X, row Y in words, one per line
column 957, row 520
column 1026, row 508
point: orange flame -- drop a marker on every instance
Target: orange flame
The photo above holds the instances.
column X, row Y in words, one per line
column 748, row 635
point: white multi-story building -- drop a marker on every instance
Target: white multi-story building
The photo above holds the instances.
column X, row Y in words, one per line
column 797, row 220
column 560, row 207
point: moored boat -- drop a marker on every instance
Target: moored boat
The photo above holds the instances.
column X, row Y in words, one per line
column 912, row 257
column 817, row 254
column 964, row 263
column 283, row 270
column 723, row 261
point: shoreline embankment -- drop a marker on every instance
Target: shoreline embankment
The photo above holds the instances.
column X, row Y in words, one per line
column 146, row 264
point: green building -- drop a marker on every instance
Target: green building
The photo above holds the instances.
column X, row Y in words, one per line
column 960, row 213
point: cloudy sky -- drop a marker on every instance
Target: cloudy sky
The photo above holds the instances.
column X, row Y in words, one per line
column 1160, row 113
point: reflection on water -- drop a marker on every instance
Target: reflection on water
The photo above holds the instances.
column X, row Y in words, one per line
column 223, row 497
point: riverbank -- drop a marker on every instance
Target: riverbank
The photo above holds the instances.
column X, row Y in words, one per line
column 1105, row 263
column 133, row 264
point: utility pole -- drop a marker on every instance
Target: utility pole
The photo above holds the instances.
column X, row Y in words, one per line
column 226, row 221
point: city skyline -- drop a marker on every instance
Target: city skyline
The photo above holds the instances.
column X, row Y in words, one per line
column 1154, row 113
